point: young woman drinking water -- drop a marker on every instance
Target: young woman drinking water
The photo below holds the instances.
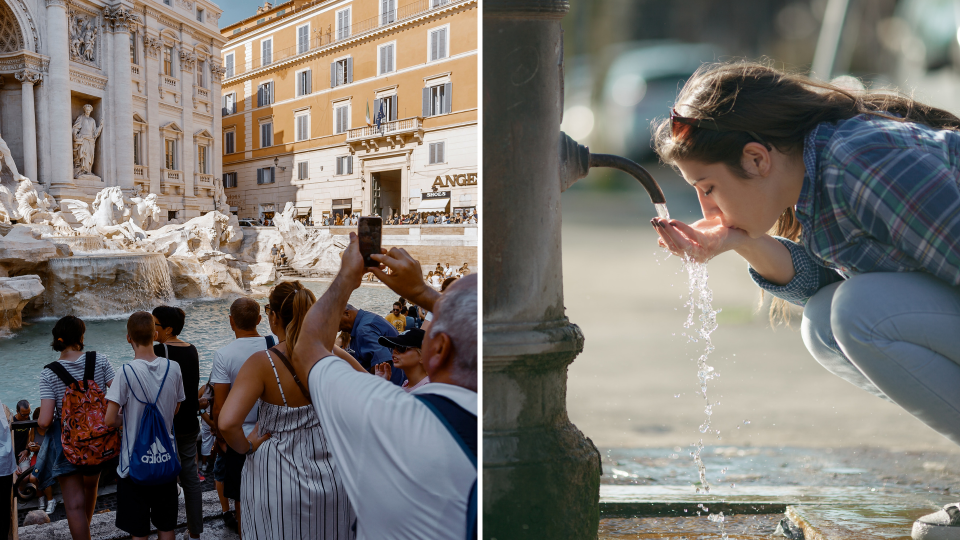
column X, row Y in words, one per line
column 860, row 193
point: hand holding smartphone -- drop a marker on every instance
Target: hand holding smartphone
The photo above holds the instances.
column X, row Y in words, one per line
column 369, row 230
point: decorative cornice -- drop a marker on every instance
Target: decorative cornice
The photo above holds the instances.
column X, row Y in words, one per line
column 29, row 76
column 121, row 19
column 57, row 3
column 26, row 12
column 217, row 72
column 24, row 60
column 88, row 79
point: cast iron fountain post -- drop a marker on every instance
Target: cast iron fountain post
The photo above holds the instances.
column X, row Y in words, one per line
column 541, row 475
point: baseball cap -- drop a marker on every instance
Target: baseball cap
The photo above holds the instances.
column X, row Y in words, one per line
column 412, row 338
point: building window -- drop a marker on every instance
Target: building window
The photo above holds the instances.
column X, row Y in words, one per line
column 170, row 155
column 137, row 150
column 388, row 11
column 229, row 104
column 303, row 170
column 265, row 94
column 343, row 24
column 388, row 105
column 304, row 82
column 229, row 142
column 168, row 61
column 229, row 65
column 201, row 68
column 168, row 2
column 266, row 134
column 200, row 14
column 341, row 72
column 387, row 59
column 229, row 179
column 266, row 175
column 134, row 56
column 303, row 127
column 438, row 44
column 303, row 38
column 342, row 119
column 437, row 3
column 436, row 153
column 437, row 99
column 202, row 159
column 266, row 52
column 344, row 165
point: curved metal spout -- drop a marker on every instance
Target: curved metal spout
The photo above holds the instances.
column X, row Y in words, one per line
column 576, row 161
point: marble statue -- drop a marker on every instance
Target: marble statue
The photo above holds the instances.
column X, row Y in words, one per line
column 85, row 134
column 144, row 212
column 83, row 38
column 101, row 219
column 220, row 197
column 32, row 206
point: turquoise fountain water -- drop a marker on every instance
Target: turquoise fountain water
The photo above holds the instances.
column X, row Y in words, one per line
column 23, row 355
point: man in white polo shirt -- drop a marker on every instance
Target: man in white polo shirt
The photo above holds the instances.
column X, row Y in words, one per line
column 373, row 425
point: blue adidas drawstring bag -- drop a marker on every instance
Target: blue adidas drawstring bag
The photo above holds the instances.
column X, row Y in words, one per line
column 154, row 458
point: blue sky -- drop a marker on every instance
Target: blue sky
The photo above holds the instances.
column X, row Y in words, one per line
column 237, row 10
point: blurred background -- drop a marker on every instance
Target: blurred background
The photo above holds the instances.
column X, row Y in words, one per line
column 634, row 386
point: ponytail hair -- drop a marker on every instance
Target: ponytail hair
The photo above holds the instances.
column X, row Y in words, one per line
column 291, row 301
column 742, row 99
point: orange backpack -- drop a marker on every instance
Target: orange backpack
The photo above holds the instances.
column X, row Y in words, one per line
column 85, row 436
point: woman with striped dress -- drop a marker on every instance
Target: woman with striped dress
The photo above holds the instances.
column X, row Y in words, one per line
column 290, row 488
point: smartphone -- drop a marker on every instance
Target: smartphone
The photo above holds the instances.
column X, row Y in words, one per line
column 369, row 230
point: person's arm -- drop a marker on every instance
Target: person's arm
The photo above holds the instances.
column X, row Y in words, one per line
column 246, row 390
column 220, row 394
column 47, row 407
column 113, row 418
column 405, row 277
column 319, row 329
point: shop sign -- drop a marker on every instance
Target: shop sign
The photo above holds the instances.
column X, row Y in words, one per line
column 437, row 195
column 455, row 180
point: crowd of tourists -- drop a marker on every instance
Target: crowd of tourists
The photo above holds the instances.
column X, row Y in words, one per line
column 283, row 421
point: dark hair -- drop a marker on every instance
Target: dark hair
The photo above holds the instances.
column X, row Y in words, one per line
column 446, row 283
column 403, row 310
column 68, row 332
column 36, row 413
column 171, row 317
column 245, row 312
column 397, row 304
column 291, row 301
column 23, row 404
column 141, row 328
column 782, row 109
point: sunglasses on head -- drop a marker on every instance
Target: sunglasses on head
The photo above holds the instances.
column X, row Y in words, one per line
column 682, row 126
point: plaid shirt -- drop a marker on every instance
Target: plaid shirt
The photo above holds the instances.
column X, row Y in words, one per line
column 878, row 196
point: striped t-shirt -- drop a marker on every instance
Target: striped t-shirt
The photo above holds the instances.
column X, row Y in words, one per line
column 51, row 387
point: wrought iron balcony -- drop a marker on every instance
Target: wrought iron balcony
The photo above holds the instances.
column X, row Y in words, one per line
column 394, row 133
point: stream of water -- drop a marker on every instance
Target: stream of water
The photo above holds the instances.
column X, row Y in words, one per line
column 700, row 297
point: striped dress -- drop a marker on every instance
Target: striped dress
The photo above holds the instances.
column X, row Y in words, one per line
column 291, row 488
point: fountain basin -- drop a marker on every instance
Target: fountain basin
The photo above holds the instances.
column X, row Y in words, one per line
column 105, row 285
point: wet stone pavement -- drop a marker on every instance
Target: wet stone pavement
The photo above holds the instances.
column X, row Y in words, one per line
column 843, row 493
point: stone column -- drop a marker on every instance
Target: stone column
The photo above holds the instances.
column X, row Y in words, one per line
column 216, row 78
column 120, row 21
column 541, row 475
column 188, row 150
column 60, row 124
column 28, row 78
column 154, row 144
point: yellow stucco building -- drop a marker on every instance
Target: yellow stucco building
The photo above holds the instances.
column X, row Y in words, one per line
column 301, row 79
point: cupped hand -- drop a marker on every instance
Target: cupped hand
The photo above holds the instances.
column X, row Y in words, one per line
column 405, row 277
column 383, row 370
column 701, row 241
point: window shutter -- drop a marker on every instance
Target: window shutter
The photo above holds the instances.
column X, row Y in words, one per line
column 273, row 174
column 433, row 153
column 383, row 61
column 440, row 149
column 339, row 166
column 442, row 43
column 376, row 111
column 349, row 76
column 270, row 93
column 349, row 161
column 260, row 96
column 426, row 102
column 448, row 97
column 393, row 108
column 333, row 74
column 259, row 176
column 433, row 45
column 308, row 78
column 390, row 56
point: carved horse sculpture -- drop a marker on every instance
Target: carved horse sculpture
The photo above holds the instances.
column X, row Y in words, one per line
column 102, row 221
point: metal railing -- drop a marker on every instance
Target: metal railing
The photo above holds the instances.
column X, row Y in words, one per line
column 386, row 128
column 333, row 34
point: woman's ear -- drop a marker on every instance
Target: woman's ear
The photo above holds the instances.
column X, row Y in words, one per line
column 756, row 159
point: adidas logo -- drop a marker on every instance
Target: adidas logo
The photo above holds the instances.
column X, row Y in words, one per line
column 156, row 454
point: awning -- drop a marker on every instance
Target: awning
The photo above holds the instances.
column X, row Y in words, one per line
column 303, row 211
column 431, row 205
column 304, row 204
